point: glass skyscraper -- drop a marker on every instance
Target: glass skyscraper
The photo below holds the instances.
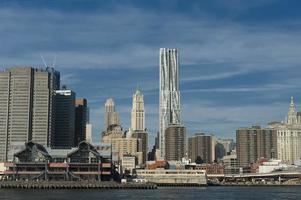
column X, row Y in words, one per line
column 169, row 93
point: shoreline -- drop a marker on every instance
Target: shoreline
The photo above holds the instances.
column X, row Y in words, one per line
column 116, row 185
column 74, row 185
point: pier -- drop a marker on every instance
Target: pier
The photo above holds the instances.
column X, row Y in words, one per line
column 73, row 185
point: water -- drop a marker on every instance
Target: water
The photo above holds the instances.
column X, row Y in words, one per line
column 224, row 193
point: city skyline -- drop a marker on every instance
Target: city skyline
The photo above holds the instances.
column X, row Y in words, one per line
column 256, row 76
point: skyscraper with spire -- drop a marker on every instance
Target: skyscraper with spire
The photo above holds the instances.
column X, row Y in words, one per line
column 289, row 136
column 137, row 114
column 137, row 129
column 169, row 111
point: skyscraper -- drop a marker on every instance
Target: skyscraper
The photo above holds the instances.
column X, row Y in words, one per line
column 111, row 116
column 254, row 143
column 81, row 113
column 289, row 136
column 169, row 93
column 175, row 142
column 88, row 128
column 65, row 119
column 138, row 123
column 137, row 115
column 26, row 100
column 200, row 147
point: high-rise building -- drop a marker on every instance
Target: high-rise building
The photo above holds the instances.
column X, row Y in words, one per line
column 223, row 147
column 175, row 142
column 26, row 100
column 169, row 93
column 89, row 133
column 81, row 113
column 289, row 136
column 254, row 143
column 200, row 148
column 65, row 119
column 138, row 123
column 142, row 137
column 138, row 114
column 88, row 128
column 111, row 116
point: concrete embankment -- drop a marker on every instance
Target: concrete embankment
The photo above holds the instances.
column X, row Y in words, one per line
column 74, row 185
column 247, row 184
column 180, row 185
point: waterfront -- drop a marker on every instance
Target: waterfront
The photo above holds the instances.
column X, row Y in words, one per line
column 224, row 193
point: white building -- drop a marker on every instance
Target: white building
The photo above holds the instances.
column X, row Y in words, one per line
column 138, row 115
column 89, row 133
column 128, row 164
column 169, row 93
column 270, row 166
column 289, row 136
column 171, row 176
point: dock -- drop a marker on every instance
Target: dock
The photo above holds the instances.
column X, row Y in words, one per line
column 73, row 185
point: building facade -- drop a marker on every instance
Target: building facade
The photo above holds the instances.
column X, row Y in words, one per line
column 289, row 136
column 137, row 129
column 26, row 100
column 81, row 115
column 224, row 147
column 65, row 119
column 200, row 148
column 254, row 143
column 111, row 116
column 89, row 133
column 35, row 162
column 175, row 142
column 169, row 111
column 230, row 163
column 138, row 113
column 123, row 145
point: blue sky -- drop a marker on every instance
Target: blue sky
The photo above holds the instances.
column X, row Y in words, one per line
column 239, row 60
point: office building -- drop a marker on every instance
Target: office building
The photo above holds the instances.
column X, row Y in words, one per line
column 169, row 108
column 223, row 147
column 26, row 100
column 128, row 164
column 289, row 136
column 111, row 116
column 89, row 133
column 138, row 129
column 65, row 119
column 142, row 137
column 138, row 114
column 175, row 142
column 254, row 143
column 123, row 145
column 81, row 114
column 230, row 163
column 200, row 148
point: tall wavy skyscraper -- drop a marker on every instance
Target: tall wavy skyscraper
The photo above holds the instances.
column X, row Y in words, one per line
column 169, row 93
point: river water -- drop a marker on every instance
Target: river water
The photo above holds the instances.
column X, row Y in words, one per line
column 224, row 193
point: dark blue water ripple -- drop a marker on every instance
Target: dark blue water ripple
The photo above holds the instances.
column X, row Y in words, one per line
column 224, row 193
